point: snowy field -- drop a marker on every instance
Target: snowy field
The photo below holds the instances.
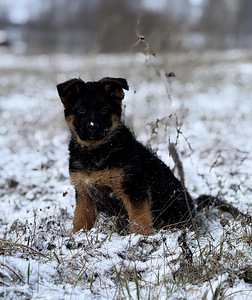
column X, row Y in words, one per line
column 205, row 110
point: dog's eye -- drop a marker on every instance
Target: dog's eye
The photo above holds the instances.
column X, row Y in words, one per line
column 82, row 110
column 104, row 110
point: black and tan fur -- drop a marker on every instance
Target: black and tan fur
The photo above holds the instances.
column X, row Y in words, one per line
column 111, row 171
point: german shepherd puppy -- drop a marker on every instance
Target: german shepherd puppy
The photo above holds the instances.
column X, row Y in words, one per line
column 111, row 171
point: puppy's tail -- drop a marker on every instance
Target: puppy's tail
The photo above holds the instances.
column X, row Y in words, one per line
column 207, row 201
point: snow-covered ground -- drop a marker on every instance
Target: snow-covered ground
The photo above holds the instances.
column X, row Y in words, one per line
column 206, row 110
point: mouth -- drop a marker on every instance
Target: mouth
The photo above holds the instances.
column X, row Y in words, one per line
column 89, row 134
column 94, row 135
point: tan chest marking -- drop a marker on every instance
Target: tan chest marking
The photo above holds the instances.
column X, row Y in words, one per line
column 109, row 177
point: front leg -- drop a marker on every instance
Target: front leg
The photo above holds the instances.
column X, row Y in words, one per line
column 84, row 214
column 140, row 216
column 141, row 219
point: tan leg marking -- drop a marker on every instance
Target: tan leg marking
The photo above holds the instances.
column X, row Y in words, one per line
column 140, row 217
column 84, row 214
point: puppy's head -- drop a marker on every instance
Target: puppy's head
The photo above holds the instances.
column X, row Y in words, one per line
column 92, row 109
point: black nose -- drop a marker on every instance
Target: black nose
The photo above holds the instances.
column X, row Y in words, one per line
column 92, row 127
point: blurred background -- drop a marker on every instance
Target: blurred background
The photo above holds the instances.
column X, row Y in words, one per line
column 102, row 26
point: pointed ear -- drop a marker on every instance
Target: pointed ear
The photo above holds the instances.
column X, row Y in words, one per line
column 69, row 89
column 114, row 86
